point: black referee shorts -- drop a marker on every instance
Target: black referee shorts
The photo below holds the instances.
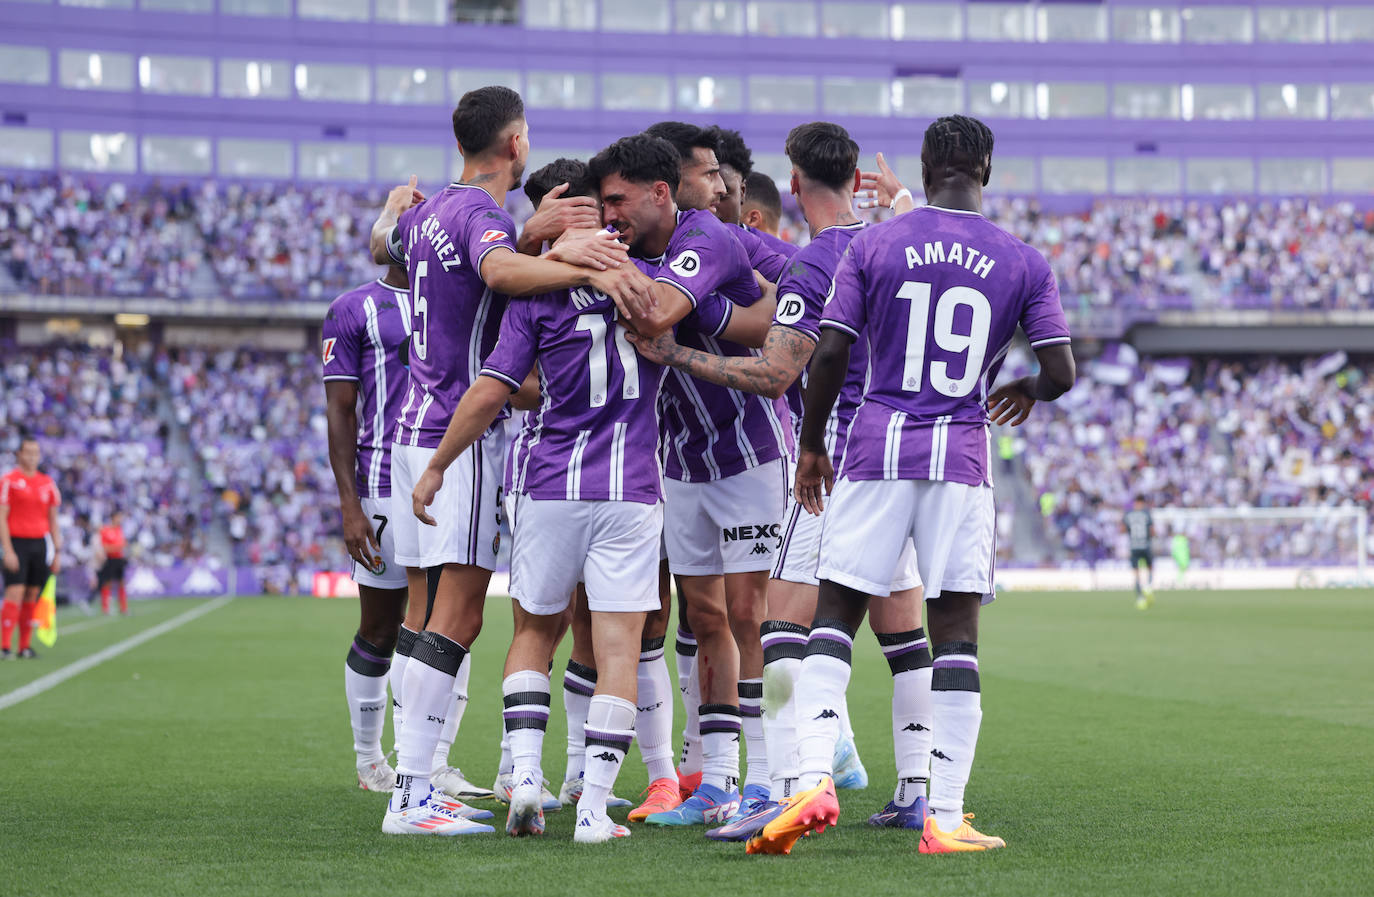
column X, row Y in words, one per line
column 111, row 571
column 1142, row 554
column 34, row 566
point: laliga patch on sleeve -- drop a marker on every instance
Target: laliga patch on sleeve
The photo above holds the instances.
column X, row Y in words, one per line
column 790, row 309
column 329, row 349
column 492, row 236
column 687, row 264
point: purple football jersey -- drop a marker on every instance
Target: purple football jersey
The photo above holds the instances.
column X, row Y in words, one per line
column 802, row 294
column 777, row 244
column 763, row 258
column 595, row 435
column 454, row 317
column 365, row 332
column 711, row 432
column 939, row 294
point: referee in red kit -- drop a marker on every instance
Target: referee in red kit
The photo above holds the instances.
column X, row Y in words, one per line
column 30, row 544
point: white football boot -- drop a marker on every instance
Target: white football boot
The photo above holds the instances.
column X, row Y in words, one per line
column 594, row 829
column 377, row 776
column 427, row 819
column 450, row 780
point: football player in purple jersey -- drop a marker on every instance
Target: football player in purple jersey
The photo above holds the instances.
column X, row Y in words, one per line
column 824, row 174
column 761, row 211
column 460, row 251
column 939, row 293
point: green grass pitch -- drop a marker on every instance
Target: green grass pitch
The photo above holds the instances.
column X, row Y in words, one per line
column 1220, row 743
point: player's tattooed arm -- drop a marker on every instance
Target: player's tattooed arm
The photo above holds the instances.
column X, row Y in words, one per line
column 785, row 353
column 399, row 200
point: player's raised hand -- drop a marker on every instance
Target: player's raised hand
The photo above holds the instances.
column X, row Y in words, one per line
column 598, row 249
column 558, row 214
column 405, row 196
column 1009, row 404
column 425, row 489
column 815, row 480
column 657, row 349
column 359, row 538
column 878, row 188
column 630, row 289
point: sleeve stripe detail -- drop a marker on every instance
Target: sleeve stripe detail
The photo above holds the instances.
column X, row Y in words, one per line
column 343, row 377
column 477, row 262
column 725, row 318
column 497, row 375
column 1050, row 341
column 836, row 325
column 686, row 292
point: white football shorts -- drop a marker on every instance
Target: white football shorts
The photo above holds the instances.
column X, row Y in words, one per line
column 466, row 509
column 609, row 545
column 389, row 575
column 800, row 553
column 732, row 525
column 867, row 524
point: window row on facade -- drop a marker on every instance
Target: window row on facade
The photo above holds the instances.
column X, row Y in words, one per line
column 932, row 21
column 919, row 96
column 250, row 157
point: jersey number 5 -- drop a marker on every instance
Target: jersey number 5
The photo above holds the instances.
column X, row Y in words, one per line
column 419, row 341
column 974, row 343
column 596, row 359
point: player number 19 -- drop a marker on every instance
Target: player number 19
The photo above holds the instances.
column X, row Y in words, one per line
column 975, row 342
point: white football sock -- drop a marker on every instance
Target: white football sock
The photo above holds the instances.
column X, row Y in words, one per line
column 751, row 725
column 405, row 644
column 690, row 688
column 908, row 657
column 525, row 696
column 784, row 644
column 654, row 715
column 958, row 713
column 579, row 682
column 507, row 766
column 610, row 729
column 458, row 704
column 820, row 688
column 428, row 687
column 720, row 731
column 365, row 674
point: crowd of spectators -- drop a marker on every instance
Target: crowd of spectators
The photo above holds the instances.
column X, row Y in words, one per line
column 1206, row 434
column 95, row 414
column 60, row 234
column 256, row 420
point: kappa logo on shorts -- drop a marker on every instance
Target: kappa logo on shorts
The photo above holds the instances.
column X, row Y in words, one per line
column 750, row 533
column 760, row 548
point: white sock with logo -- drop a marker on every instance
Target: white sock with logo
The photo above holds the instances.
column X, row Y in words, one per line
column 690, row 688
column 579, row 682
column 784, row 644
column 525, row 696
column 610, row 729
column 957, row 703
column 654, row 714
column 458, row 704
column 821, row 686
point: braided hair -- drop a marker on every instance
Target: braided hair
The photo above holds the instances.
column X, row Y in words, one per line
column 960, row 143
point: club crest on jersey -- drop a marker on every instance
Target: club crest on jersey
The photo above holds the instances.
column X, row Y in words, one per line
column 329, row 349
column 492, row 236
column 687, row 264
column 790, row 309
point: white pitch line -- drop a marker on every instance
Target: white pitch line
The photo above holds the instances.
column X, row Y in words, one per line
column 58, row 676
column 82, row 626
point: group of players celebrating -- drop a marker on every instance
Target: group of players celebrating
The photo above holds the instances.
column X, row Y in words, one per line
column 645, row 387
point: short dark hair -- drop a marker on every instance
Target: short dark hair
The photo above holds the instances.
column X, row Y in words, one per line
column 572, row 172
column 824, row 152
column 958, row 142
column 641, row 159
column 683, row 137
column 482, row 114
column 761, row 191
column 731, row 150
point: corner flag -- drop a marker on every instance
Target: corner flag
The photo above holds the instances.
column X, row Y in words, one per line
column 45, row 618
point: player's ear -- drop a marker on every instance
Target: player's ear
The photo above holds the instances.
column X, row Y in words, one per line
column 795, row 185
column 858, row 180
